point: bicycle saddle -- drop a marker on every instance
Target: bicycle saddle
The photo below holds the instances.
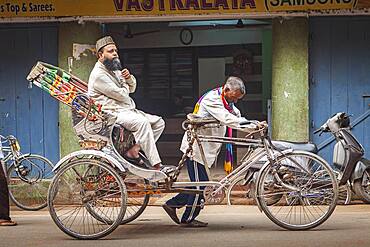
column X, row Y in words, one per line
column 196, row 120
column 305, row 146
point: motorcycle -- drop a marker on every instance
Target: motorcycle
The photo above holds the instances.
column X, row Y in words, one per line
column 348, row 156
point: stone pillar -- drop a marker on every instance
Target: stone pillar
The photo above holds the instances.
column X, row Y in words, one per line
column 290, row 105
column 73, row 33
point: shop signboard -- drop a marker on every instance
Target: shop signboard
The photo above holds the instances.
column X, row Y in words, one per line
column 101, row 8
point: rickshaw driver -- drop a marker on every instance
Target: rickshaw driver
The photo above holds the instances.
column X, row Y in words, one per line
column 110, row 85
column 219, row 104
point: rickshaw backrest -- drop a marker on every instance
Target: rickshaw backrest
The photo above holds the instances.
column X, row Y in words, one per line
column 94, row 127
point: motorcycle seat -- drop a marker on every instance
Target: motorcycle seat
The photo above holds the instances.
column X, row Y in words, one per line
column 304, row 146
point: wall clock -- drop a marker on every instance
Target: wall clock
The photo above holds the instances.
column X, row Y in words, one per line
column 186, row 36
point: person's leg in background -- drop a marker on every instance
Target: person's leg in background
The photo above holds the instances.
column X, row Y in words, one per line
column 5, row 220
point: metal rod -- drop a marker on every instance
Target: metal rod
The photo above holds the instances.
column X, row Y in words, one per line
column 229, row 139
column 192, row 184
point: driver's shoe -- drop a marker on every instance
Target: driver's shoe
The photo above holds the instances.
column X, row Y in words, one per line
column 171, row 211
column 194, row 223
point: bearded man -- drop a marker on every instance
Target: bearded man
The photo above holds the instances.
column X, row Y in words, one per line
column 110, row 85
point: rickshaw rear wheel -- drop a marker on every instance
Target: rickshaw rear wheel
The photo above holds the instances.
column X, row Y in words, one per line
column 83, row 184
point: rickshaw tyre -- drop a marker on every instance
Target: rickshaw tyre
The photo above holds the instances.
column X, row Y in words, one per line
column 51, row 195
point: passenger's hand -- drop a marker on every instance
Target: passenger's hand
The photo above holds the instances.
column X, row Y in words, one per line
column 126, row 73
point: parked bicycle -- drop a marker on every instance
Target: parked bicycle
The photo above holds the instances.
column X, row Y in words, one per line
column 29, row 175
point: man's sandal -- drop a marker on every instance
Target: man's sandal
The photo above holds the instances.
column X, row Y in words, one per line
column 7, row 223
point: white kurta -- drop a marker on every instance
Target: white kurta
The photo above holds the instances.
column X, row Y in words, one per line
column 212, row 106
column 112, row 91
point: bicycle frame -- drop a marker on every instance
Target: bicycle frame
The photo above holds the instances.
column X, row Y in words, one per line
column 8, row 152
column 12, row 152
column 267, row 150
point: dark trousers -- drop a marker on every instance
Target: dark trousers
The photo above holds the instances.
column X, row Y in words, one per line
column 4, row 196
column 197, row 172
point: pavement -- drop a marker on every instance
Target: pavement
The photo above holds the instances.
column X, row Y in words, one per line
column 228, row 226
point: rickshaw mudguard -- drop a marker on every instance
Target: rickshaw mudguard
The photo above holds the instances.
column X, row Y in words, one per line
column 259, row 174
column 112, row 161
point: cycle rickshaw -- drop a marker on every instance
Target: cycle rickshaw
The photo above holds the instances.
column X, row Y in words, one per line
column 92, row 194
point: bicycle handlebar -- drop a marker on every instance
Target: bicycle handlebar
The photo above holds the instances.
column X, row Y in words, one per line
column 7, row 139
column 317, row 131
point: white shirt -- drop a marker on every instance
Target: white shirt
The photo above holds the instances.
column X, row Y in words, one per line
column 211, row 106
column 110, row 89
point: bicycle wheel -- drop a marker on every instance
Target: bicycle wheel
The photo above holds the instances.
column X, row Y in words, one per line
column 28, row 180
column 344, row 191
column 242, row 193
column 81, row 185
column 239, row 192
column 361, row 187
column 137, row 200
column 344, row 194
column 309, row 186
column 137, row 197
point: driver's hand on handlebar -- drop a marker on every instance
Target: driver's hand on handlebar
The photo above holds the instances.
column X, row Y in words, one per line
column 252, row 125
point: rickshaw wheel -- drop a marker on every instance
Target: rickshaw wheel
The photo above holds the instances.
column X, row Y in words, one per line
column 82, row 185
column 137, row 199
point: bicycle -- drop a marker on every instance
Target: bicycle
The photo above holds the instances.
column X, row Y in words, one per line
column 28, row 175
